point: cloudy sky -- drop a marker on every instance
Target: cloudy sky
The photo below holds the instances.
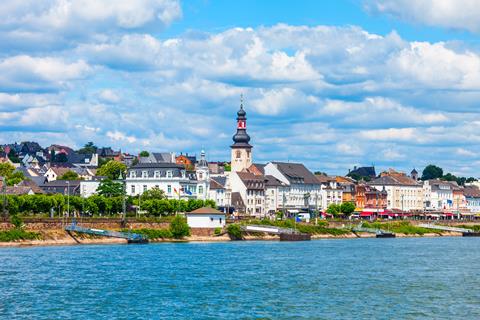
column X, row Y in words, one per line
column 331, row 84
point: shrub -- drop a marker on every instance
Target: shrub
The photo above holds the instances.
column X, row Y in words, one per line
column 16, row 221
column 18, row 234
column 179, row 227
column 217, row 231
column 234, row 231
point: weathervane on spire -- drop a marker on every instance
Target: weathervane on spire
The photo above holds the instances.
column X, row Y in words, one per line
column 241, row 100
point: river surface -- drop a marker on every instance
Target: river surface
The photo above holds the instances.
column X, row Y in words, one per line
column 409, row 278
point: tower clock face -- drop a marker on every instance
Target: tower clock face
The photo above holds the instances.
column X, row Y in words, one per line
column 242, row 124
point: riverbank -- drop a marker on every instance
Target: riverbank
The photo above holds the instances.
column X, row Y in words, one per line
column 60, row 238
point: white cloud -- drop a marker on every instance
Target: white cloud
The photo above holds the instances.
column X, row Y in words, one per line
column 452, row 14
column 108, row 96
column 120, row 136
column 25, row 73
column 465, row 152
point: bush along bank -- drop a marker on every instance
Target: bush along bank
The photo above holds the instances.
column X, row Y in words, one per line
column 178, row 229
column 17, row 233
column 235, row 232
column 403, row 227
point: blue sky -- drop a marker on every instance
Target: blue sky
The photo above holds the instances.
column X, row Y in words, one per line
column 332, row 84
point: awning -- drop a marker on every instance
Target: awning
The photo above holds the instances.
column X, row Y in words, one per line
column 366, row 214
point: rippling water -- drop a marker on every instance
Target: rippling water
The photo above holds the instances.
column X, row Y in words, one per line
column 327, row 279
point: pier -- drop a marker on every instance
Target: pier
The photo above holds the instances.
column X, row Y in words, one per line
column 465, row 232
column 379, row 233
column 286, row 234
column 129, row 236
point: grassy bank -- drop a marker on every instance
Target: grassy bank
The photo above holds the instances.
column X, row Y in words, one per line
column 18, row 234
column 475, row 227
column 404, row 227
column 320, row 228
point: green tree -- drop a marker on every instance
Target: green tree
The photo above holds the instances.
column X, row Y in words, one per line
column 154, row 193
column 334, row 209
column 11, row 176
column 70, row 175
column 109, row 188
column 144, row 154
column 179, row 227
column 227, row 167
column 112, row 169
column 432, row 172
column 12, row 155
column 347, row 208
column 88, row 148
column 60, row 157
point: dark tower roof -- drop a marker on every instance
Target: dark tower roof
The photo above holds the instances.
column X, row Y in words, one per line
column 241, row 139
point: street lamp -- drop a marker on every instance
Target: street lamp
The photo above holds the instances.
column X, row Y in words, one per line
column 68, row 199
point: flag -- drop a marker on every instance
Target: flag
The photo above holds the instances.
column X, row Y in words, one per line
column 175, row 190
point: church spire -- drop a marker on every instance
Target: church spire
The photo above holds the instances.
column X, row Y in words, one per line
column 241, row 139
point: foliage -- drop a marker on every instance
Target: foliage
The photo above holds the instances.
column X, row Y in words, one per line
column 227, row 167
column 110, row 188
column 18, row 234
column 153, row 233
column 12, row 155
column 358, row 177
column 16, row 221
column 432, row 172
column 70, row 175
column 475, row 227
column 179, row 227
column 88, row 148
column 112, row 169
column 144, row 154
column 347, row 208
column 102, row 161
column 404, row 227
column 234, row 231
column 217, row 231
column 60, row 157
column 154, row 193
column 320, row 228
column 334, row 209
column 11, row 176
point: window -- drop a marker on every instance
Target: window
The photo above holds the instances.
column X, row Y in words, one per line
column 144, row 188
column 169, row 189
column 200, row 175
column 133, row 189
column 133, row 174
column 238, row 154
column 144, row 174
column 157, row 186
column 169, row 174
column 200, row 189
column 157, row 174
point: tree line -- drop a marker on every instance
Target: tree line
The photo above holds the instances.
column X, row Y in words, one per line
column 95, row 205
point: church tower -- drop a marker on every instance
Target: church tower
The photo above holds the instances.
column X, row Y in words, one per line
column 241, row 158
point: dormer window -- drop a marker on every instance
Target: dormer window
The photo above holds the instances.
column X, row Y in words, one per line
column 144, row 174
column 157, row 174
column 133, row 174
column 200, row 175
column 169, row 174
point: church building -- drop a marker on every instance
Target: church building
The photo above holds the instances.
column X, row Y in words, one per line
column 241, row 156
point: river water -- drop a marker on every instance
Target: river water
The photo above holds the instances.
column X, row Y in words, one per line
column 409, row 278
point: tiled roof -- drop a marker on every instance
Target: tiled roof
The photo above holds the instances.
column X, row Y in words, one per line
column 205, row 210
column 296, row 173
column 472, row 192
column 271, row 181
column 394, row 180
